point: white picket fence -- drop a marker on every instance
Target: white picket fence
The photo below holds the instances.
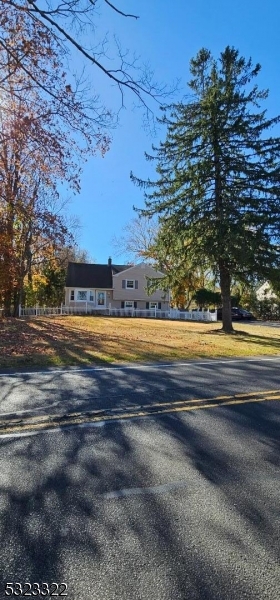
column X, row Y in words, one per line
column 39, row 311
column 153, row 313
column 193, row 315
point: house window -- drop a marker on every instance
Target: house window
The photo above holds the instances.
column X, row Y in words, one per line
column 82, row 296
column 91, row 295
column 130, row 284
column 129, row 304
column 153, row 305
column 72, row 295
column 100, row 298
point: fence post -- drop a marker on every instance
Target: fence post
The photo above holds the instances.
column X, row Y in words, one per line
column 86, row 307
column 36, row 310
column 61, row 308
column 19, row 310
column 155, row 312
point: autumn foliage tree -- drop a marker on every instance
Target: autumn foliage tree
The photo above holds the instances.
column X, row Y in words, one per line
column 182, row 275
column 46, row 286
column 42, row 143
column 49, row 121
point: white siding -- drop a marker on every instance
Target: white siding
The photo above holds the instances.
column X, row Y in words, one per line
column 69, row 302
column 265, row 291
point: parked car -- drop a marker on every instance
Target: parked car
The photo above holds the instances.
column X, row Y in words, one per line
column 245, row 315
column 238, row 314
column 234, row 315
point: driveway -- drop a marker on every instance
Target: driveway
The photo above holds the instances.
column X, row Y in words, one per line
column 264, row 323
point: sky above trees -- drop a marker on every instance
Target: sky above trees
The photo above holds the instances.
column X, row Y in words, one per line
column 167, row 35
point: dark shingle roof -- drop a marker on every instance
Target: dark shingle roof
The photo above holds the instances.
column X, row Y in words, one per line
column 86, row 275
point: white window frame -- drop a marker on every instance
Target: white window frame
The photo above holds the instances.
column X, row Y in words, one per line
column 153, row 305
column 72, row 292
column 82, row 292
column 129, row 304
column 130, row 287
column 91, row 294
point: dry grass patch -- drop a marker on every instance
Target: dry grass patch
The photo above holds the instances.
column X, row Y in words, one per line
column 57, row 341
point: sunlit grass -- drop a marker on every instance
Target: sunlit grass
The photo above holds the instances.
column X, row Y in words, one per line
column 73, row 340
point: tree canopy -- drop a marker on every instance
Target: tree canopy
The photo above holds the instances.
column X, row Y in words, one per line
column 218, row 184
column 39, row 150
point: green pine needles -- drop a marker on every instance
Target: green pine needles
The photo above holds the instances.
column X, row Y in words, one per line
column 218, row 184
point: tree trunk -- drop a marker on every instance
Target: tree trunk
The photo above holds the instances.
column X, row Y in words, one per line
column 17, row 295
column 7, row 303
column 8, row 282
column 225, row 278
column 8, row 258
column 225, row 292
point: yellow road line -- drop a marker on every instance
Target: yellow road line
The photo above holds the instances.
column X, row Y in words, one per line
column 229, row 402
column 210, row 404
column 120, row 409
column 262, row 393
column 80, row 418
column 199, row 400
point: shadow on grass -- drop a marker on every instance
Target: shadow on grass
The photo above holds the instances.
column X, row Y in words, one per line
column 48, row 343
column 247, row 337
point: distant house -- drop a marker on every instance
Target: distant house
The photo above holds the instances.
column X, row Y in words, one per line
column 113, row 286
column 265, row 292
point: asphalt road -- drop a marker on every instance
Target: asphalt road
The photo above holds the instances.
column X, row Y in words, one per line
column 58, row 391
column 177, row 506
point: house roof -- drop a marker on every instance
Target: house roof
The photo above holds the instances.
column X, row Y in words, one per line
column 145, row 265
column 87, row 275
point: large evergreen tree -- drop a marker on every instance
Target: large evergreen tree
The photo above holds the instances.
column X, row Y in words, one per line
column 219, row 173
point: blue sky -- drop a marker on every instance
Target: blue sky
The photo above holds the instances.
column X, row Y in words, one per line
column 167, row 35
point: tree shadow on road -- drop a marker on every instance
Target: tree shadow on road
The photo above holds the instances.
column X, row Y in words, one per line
column 243, row 474
column 58, row 523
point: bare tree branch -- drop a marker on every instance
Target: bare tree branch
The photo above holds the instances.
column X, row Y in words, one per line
column 138, row 236
column 66, row 21
column 119, row 11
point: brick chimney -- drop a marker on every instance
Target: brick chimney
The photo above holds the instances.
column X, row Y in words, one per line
column 109, row 261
